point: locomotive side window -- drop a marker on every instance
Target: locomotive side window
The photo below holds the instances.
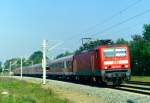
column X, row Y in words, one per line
column 61, row 65
column 110, row 52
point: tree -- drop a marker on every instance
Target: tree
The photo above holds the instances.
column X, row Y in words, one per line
column 36, row 57
column 136, row 54
column 121, row 41
column 15, row 62
column 0, row 66
column 146, row 33
column 146, row 50
column 93, row 44
column 63, row 54
column 146, row 58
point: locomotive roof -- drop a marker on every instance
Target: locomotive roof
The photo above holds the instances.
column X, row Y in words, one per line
column 107, row 46
column 104, row 46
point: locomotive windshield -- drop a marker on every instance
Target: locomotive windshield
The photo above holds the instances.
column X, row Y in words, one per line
column 120, row 51
column 111, row 52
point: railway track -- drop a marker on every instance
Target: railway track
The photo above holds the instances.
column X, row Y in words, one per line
column 139, row 83
column 131, row 86
column 135, row 87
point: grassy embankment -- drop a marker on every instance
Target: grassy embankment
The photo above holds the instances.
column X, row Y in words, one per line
column 17, row 91
column 141, row 78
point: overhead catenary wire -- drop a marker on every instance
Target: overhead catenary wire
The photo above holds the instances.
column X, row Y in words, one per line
column 106, row 20
column 127, row 28
column 124, row 21
column 114, row 15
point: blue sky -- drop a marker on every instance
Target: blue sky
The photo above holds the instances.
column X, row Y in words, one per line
column 25, row 23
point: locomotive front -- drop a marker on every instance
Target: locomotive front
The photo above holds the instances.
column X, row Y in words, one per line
column 115, row 64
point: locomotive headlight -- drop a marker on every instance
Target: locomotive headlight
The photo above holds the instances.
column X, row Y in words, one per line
column 106, row 67
column 126, row 66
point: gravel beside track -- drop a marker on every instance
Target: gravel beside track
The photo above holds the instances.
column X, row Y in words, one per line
column 77, row 93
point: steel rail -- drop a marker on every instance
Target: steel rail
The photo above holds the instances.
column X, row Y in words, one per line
column 131, row 90
column 139, row 83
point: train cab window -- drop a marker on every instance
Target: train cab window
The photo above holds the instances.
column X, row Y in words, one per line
column 110, row 52
column 120, row 52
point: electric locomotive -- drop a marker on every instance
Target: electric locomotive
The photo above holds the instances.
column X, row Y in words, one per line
column 108, row 64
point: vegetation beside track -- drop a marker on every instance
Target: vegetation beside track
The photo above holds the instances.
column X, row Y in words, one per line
column 17, row 91
column 141, row 78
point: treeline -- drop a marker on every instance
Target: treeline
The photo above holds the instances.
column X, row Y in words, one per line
column 35, row 58
column 139, row 50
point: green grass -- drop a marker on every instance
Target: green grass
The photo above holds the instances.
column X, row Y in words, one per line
column 141, row 78
column 23, row 92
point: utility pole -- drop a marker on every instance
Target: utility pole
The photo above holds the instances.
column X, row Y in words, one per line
column 32, row 66
column 44, row 63
column 21, row 69
column 10, row 69
column 3, row 70
column 44, row 46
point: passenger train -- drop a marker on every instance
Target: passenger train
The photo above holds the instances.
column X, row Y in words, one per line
column 109, row 64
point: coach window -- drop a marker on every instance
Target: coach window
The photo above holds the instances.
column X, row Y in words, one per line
column 61, row 65
column 53, row 66
column 56, row 65
column 65, row 64
column 68, row 64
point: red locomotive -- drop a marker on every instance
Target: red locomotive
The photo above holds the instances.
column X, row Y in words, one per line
column 108, row 64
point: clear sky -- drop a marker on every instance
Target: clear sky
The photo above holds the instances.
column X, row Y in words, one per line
column 25, row 23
